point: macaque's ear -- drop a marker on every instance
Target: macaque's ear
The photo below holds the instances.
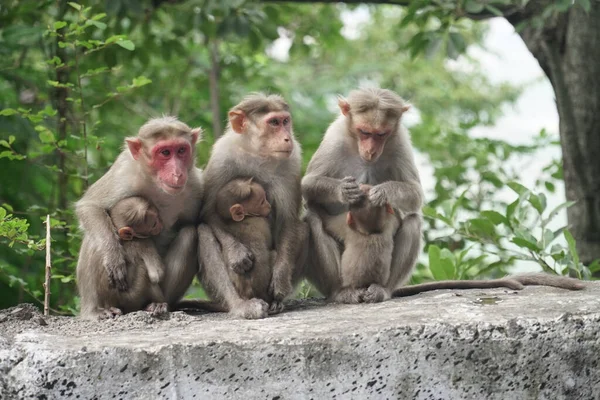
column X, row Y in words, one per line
column 350, row 220
column 126, row 233
column 237, row 120
column 344, row 106
column 405, row 108
column 389, row 209
column 196, row 135
column 135, row 147
column 237, row 212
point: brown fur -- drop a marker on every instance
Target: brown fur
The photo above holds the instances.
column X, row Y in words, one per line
column 257, row 146
column 103, row 273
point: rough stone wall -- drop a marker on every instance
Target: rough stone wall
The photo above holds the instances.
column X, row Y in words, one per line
column 539, row 343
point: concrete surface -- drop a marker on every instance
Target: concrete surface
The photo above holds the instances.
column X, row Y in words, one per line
column 539, row 343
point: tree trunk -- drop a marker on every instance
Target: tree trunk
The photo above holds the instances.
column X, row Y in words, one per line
column 567, row 50
column 213, row 77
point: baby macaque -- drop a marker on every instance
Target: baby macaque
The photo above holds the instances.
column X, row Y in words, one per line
column 243, row 207
column 136, row 220
column 366, row 260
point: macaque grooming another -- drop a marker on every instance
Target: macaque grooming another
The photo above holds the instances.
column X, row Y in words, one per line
column 368, row 145
column 157, row 165
column 259, row 142
column 243, row 206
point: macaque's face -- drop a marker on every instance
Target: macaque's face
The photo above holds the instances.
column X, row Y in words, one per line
column 149, row 226
column 170, row 160
column 371, row 135
column 257, row 204
column 275, row 134
column 167, row 160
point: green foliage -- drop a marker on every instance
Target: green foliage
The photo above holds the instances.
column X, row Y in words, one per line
column 76, row 79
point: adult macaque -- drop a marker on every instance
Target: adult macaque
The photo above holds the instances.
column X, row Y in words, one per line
column 259, row 142
column 157, row 165
column 367, row 145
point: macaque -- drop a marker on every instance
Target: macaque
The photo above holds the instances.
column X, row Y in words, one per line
column 135, row 221
column 259, row 142
column 158, row 165
column 366, row 154
column 244, row 209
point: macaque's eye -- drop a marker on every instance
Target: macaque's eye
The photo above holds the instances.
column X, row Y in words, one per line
column 182, row 150
column 286, row 121
column 381, row 135
column 364, row 133
column 274, row 122
column 166, row 153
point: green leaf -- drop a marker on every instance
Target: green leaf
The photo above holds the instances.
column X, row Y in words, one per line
column 2, row 213
column 59, row 24
column 75, row 5
column 11, row 139
column 8, row 111
column 494, row 10
column 557, row 210
column 482, row 228
column 473, row 7
column 524, row 243
column 495, row 217
column 141, row 81
column 46, row 136
column 97, row 24
column 4, row 143
column 572, row 246
column 538, row 201
column 126, row 44
column 440, row 264
column 517, row 188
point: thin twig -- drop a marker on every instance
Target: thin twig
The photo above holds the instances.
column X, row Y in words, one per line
column 48, row 267
column 82, row 105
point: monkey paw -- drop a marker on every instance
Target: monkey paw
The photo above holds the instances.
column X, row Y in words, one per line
column 350, row 191
column 276, row 307
column 375, row 294
column 240, row 259
column 114, row 262
column 280, row 288
column 158, row 309
column 377, row 196
column 106, row 313
column 251, row 309
column 349, row 296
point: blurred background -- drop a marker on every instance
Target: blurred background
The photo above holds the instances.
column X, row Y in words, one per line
column 76, row 79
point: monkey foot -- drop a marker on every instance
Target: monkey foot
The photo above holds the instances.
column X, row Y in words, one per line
column 251, row 309
column 105, row 313
column 241, row 260
column 158, row 309
column 375, row 294
column 275, row 307
column 350, row 296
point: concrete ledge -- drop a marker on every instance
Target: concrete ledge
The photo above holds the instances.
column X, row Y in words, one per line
column 540, row 343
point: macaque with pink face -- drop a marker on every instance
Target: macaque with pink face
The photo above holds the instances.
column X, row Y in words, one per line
column 157, row 165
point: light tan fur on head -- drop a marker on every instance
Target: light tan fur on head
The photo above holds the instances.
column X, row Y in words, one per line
column 166, row 126
column 242, row 197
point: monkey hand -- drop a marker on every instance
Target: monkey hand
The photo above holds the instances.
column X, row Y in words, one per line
column 280, row 288
column 377, row 196
column 350, row 191
column 114, row 262
column 240, row 259
column 250, row 309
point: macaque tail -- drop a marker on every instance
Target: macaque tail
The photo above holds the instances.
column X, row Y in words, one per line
column 474, row 284
column 515, row 282
column 200, row 305
column 544, row 279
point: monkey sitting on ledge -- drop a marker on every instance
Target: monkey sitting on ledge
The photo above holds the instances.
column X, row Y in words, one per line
column 243, row 209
